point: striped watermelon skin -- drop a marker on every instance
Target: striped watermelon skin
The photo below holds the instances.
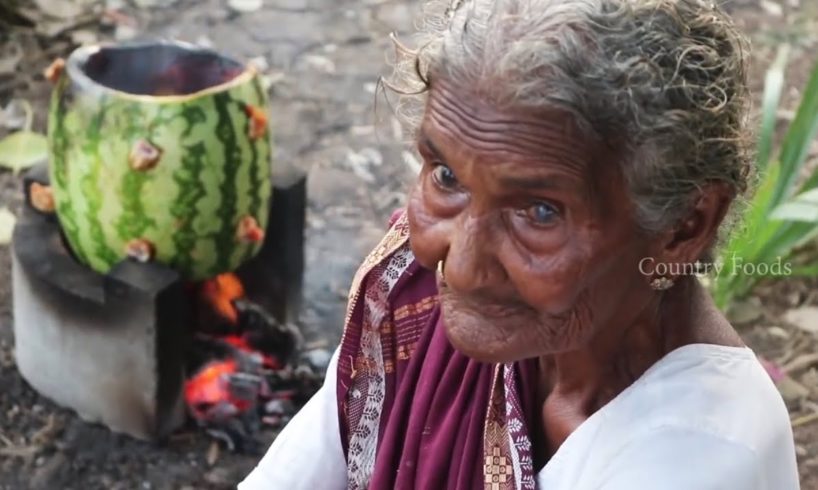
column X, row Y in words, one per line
column 214, row 170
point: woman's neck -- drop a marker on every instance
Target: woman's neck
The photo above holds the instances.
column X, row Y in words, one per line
column 577, row 383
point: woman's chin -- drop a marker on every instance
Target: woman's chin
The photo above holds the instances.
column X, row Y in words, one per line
column 474, row 344
column 501, row 341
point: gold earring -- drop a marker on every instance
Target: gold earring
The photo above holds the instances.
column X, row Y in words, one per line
column 440, row 266
column 662, row 283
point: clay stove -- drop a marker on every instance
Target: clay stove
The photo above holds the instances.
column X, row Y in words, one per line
column 114, row 347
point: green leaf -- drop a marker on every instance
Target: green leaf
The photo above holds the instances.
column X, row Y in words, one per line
column 774, row 229
column 803, row 211
column 7, row 221
column 803, row 208
column 790, row 235
column 773, row 84
column 796, row 144
column 750, row 242
column 23, row 149
column 805, row 271
column 757, row 227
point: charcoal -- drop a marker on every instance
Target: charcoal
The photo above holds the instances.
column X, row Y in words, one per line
column 248, row 362
column 238, row 433
column 224, row 436
column 276, row 421
column 284, row 395
column 264, row 333
column 279, row 379
column 280, row 407
column 245, row 387
column 317, row 359
column 218, row 413
column 204, row 349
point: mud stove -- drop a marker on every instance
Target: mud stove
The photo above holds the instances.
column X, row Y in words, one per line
column 139, row 349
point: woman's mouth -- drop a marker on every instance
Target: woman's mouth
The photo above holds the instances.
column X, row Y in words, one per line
column 482, row 306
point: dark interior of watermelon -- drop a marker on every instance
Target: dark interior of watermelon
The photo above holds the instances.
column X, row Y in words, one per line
column 159, row 69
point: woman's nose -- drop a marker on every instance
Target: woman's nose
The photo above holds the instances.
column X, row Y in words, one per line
column 471, row 263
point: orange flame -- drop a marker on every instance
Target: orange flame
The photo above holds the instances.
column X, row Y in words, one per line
column 220, row 292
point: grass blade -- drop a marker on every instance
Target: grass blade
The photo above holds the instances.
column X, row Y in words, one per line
column 773, row 85
column 804, row 208
column 796, row 144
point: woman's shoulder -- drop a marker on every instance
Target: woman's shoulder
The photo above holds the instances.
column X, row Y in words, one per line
column 704, row 416
column 720, row 390
column 711, row 399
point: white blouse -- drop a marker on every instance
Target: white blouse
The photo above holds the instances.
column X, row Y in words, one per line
column 704, row 417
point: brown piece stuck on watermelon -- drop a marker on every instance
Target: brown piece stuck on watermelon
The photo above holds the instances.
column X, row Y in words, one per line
column 258, row 121
column 54, row 70
column 249, row 231
column 144, row 155
column 42, row 197
column 140, row 250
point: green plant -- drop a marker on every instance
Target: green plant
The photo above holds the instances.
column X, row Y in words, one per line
column 782, row 216
column 25, row 148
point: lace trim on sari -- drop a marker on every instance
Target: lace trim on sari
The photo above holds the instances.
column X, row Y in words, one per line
column 368, row 370
column 519, row 442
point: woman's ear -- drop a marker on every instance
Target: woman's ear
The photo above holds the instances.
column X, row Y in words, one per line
column 696, row 232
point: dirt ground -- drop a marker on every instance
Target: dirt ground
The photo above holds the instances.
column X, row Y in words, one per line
column 323, row 58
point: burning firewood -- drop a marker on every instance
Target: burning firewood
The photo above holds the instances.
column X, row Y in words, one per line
column 247, row 368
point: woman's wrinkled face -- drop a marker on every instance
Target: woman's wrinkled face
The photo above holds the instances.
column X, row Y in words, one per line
column 534, row 225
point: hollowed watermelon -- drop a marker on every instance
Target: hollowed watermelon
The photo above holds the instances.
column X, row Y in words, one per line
column 160, row 151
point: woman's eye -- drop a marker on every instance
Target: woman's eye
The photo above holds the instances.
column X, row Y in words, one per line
column 444, row 177
column 541, row 213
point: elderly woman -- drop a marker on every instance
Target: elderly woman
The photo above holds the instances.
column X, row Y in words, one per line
column 506, row 333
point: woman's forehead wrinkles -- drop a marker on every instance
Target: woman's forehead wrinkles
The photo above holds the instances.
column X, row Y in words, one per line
column 533, row 140
column 476, row 111
column 518, row 134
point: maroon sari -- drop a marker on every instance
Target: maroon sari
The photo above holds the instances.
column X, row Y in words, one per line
column 415, row 413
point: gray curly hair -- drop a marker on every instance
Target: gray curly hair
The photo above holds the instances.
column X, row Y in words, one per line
column 665, row 79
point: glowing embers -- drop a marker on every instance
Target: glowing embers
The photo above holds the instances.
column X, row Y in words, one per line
column 244, row 368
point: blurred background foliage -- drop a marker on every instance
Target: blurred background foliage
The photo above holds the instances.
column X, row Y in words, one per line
column 780, row 222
